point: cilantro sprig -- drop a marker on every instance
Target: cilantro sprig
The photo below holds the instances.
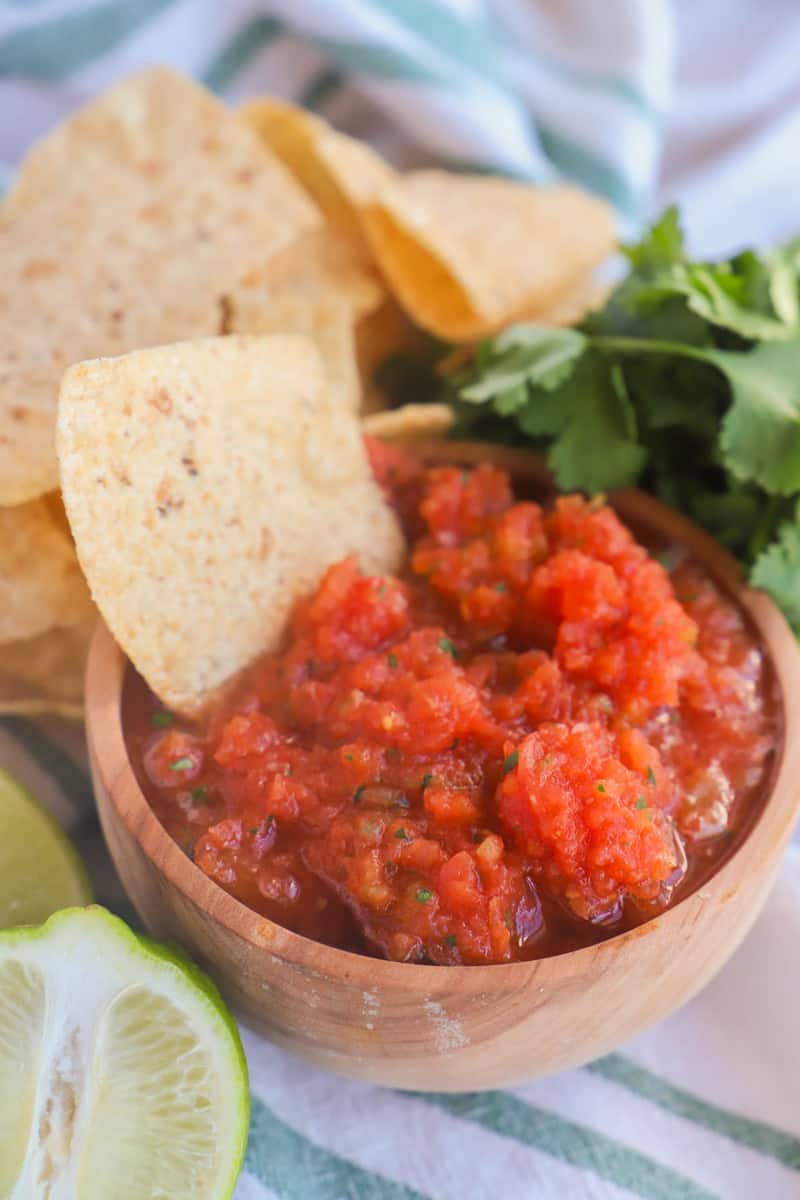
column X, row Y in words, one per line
column 686, row 382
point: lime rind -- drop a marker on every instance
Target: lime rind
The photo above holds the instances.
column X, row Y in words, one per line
column 121, row 964
column 175, row 958
column 38, row 842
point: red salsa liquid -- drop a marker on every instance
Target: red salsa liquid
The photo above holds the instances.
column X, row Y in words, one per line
column 534, row 737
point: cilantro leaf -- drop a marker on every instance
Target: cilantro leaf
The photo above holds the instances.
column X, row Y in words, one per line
column 783, row 291
column 752, row 296
column 522, row 356
column 182, row 764
column 598, row 448
column 777, row 571
column 551, row 353
column 661, row 247
column 677, row 394
column 760, row 435
column 717, row 295
column 775, row 510
column 773, row 279
column 769, row 282
column 510, row 761
column 511, row 400
column 632, row 310
column 549, row 413
column 730, row 516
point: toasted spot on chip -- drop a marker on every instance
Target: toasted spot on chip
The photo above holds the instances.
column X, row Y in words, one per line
column 409, row 422
column 195, row 592
column 125, row 228
column 41, row 583
column 341, row 173
column 467, row 254
column 44, row 675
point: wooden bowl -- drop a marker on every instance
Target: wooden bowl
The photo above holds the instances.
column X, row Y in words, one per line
column 452, row 1028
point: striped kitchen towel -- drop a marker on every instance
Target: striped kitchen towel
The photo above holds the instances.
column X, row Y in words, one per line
column 619, row 96
column 622, row 95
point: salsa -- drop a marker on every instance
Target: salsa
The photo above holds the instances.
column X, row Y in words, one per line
column 534, row 737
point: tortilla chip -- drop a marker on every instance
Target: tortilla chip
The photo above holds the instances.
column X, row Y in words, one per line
column 573, row 306
column 384, row 332
column 208, row 485
column 315, row 287
column 290, row 132
column 58, row 513
column 41, row 584
column 410, row 422
column 129, row 226
column 45, row 674
column 341, row 173
column 467, row 254
column 320, row 263
column 327, row 322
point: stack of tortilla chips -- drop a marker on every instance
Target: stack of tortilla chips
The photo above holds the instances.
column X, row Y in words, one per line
column 158, row 215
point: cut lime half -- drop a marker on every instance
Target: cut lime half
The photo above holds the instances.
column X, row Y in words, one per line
column 39, row 869
column 121, row 1071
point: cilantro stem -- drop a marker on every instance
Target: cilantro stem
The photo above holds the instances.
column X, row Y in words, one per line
column 630, row 345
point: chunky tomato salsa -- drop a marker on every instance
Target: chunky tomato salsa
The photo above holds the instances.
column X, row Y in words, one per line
column 535, row 736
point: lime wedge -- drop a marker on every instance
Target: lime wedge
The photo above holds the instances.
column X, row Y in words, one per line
column 39, row 870
column 121, row 1071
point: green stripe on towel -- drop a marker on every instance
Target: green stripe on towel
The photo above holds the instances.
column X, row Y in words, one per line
column 298, row 1169
column 321, row 89
column 586, row 168
column 384, row 61
column 571, row 1143
column 52, row 50
column 757, row 1135
column 469, row 46
column 239, row 51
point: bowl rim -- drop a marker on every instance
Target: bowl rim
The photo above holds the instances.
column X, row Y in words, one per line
column 105, row 676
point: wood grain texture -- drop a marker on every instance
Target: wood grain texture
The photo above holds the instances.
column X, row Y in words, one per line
column 453, row 1028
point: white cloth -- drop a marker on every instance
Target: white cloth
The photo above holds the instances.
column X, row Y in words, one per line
column 649, row 101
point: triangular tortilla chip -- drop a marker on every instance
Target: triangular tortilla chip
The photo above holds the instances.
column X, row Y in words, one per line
column 463, row 254
column 129, row 226
column 41, row 584
column 318, row 265
column 410, row 422
column 315, row 287
column 573, row 306
column 327, row 322
column 208, row 486
column 341, row 173
column 45, row 674
column 467, row 254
